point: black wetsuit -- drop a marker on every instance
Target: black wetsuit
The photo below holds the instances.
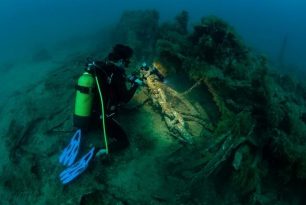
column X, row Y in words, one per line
column 112, row 81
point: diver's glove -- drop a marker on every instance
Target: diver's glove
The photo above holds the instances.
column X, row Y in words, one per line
column 134, row 80
column 138, row 81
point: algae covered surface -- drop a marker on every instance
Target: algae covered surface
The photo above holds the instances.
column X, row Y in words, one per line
column 222, row 128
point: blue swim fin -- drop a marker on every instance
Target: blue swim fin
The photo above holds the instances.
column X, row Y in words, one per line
column 71, row 151
column 76, row 169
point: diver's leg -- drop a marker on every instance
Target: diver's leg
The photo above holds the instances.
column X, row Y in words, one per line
column 118, row 139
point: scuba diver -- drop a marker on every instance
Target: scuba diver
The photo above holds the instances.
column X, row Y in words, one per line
column 100, row 91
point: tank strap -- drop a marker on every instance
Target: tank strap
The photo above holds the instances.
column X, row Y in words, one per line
column 108, row 74
column 83, row 89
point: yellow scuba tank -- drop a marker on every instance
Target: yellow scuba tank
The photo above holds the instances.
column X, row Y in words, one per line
column 84, row 100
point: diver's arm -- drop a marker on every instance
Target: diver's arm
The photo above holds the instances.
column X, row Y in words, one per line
column 131, row 92
column 125, row 93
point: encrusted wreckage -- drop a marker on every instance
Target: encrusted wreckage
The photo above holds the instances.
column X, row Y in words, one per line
column 183, row 119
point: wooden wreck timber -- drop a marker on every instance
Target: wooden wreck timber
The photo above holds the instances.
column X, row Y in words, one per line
column 177, row 111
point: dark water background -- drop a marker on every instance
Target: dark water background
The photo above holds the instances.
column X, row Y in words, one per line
column 275, row 28
column 26, row 24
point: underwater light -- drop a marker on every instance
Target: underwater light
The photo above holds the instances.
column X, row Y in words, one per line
column 161, row 69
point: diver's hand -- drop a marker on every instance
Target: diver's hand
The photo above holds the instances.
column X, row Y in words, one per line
column 134, row 80
column 131, row 78
column 138, row 82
